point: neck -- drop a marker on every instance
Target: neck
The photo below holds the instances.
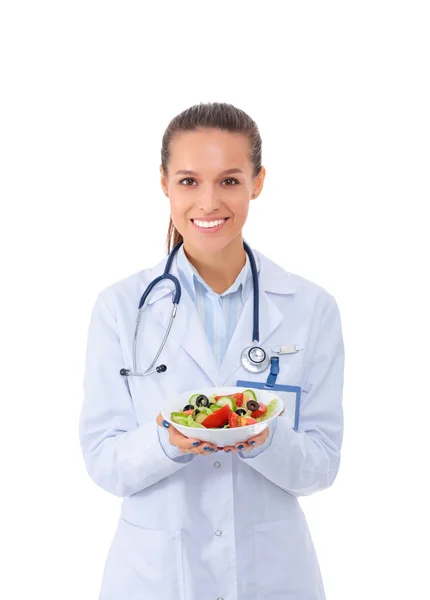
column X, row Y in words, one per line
column 219, row 269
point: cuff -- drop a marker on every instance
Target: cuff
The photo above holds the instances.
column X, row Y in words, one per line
column 263, row 447
column 170, row 450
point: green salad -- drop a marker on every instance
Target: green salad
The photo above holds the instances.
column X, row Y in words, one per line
column 224, row 411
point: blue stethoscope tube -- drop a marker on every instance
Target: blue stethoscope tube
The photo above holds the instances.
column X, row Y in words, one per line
column 254, row 358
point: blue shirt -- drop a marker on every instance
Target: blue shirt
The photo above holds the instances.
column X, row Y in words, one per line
column 219, row 313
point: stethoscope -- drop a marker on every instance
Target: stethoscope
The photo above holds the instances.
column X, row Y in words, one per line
column 254, row 358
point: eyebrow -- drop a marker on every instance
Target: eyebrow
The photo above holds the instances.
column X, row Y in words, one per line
column 227, row 172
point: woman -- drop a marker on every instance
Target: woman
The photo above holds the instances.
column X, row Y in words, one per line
column 195, row 526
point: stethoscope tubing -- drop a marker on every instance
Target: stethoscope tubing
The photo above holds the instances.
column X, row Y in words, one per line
column 176, row 296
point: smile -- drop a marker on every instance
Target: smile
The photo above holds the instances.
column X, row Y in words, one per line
column 209, row 225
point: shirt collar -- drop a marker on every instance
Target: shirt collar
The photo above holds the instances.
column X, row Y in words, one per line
column 190, row 277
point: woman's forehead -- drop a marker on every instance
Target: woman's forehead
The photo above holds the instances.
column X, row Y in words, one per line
column 210, row 151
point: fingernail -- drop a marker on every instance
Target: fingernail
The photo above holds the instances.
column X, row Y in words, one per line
column 196, row 443
column 212, row 449
column 252, row 443
column 206, row 448
column 166, row 424
column 240, row 447
column 228, row 450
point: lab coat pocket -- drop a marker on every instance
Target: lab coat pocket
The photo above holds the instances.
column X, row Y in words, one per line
column 285, row 561
column 143, row 563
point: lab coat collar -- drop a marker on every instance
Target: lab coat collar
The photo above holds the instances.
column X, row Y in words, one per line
column 188, row 331
column 272, row 278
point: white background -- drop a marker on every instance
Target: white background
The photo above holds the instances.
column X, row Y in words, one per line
column 340, row 91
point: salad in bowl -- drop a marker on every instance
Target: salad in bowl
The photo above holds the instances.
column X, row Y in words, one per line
column 223, row 416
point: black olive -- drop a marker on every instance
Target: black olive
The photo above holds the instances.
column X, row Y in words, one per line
column 188, row 407
column 202, row 400
column 252, row 405
column 196, row 412
column 241, row 411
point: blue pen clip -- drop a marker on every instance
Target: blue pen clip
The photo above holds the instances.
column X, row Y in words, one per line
column 274, row 370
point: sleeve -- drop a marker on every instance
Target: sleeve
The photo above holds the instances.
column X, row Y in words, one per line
column 120, row 455
column 306, row 461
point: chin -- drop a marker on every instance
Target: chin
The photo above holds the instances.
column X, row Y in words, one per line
column 209, row 246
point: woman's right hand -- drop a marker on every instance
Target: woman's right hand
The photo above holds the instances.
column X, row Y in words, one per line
column 185, row 444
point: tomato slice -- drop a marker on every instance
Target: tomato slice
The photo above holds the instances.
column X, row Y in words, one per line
column 233, row 420
column 238, row 398
column 188, row 412
column 261, row 410
column 244, row 421
column 218, row 418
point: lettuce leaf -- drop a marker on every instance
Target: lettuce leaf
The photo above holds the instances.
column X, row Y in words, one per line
column 179, row 418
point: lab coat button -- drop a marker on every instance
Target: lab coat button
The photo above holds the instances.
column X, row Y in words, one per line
column 217, row 464
column 218, row 532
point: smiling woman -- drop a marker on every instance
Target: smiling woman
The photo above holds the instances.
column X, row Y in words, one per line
column 187, row 527
column 209, row 207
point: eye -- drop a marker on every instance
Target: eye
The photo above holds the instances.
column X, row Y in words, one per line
column 187, row 179
column 232, row 179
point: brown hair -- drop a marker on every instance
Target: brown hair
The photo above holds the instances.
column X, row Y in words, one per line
column 212, row 115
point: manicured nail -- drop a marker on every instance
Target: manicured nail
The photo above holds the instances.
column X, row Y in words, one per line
column 196, row 443
column 240, row 447
column 206, row 448
column 212, row 449
column 252, row 443
column 166, row 424
column 228, row 450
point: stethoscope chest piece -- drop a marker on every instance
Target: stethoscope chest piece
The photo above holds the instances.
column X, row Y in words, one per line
column 255, row 359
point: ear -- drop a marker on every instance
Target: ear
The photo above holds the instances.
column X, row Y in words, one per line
column 163, row 181
column 258, row 183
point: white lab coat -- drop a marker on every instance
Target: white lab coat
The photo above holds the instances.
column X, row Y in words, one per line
column 221, row 526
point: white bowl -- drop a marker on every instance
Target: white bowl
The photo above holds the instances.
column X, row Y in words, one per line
column 222, row 437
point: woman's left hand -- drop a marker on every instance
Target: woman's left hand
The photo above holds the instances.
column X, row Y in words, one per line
column 258, row 440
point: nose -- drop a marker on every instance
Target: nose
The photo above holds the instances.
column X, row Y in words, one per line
column 208, row 201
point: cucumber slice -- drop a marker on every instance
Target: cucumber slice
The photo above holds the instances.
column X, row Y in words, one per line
column 193, row 399
column 249, row 395
column 200, row 417
column 227, row 400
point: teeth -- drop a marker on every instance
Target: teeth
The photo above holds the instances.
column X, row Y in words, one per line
column 206, row 224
